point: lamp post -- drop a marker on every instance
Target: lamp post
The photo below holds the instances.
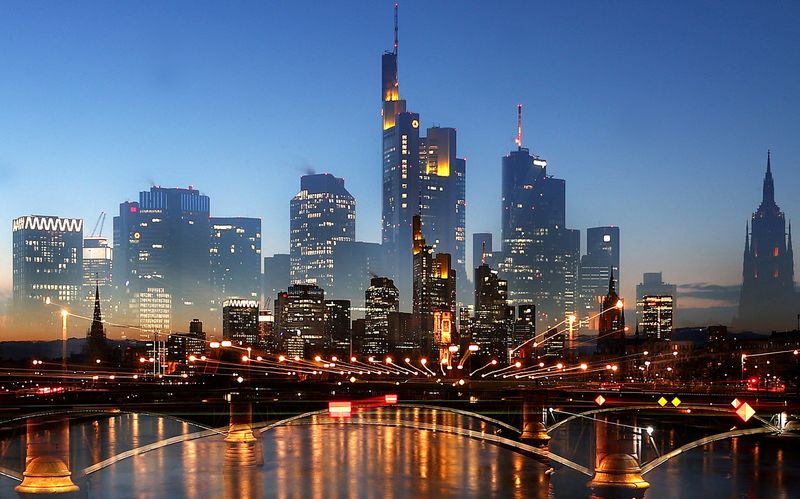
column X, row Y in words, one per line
column 64, row 315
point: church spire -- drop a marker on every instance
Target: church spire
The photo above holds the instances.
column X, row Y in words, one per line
column 768, row 198
column 97, row 317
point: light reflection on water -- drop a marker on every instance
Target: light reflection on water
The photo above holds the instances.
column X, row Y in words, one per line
column 321, row 458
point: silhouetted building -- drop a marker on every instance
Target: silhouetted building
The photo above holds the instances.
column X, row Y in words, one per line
column 276, row 276
column 656, row 321
column 235, row 258
column 768, row 299
column 491, row 326
column 96, row 335
column 434, row 297
column 323, row 214
column 355, row 262
column 240, row 321
column 300, row 311
column 525, row 330
column 540, row 257
column 47, row 264
column 611, row 334
column 337, row 324
column 597, row 265
column 161, row 251
column 97, row 271
column 381, row 299
column 181, row 347
column 402, row 329
column 481, row 246
column 653, row 285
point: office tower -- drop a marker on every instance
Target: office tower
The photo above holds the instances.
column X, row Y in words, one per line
column 481, row 249
column 611, row 337
column 323, row 214
column 300, row 313
column 276, row 276
column 768, row 300
column 181, row 347
column 381, row 299
column 240, row 321
column 434, row 294
column 355, row 262
column 97, row 271
column 402, row 334
column 267, row 339
column 539, row 254
column 96, row 335
column 524, row 326
column 337, row 325
column 652, row 284
column 235, row 254
column 491, row 325
column 656, row 319
column 161, row 248
column 47, row 265
column 597, row 265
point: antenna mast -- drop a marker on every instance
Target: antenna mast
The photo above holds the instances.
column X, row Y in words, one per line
column 395, row 29
column 519, row 125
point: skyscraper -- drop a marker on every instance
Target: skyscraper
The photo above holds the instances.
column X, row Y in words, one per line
column 768, row 300
column 492, row 325
column 337, row 325
column 380, row 300
column 653, row 285
column 240, row 321
column 235, row 255
column 47, row 265
column 540, row 256
column 600, row 261
column 161, row 250
column 96, row 271
column 300, row 317
column 322, row 214
column 656, row 318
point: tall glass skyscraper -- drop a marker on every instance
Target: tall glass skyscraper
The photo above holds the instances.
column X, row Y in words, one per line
column 322, row 214
column 235, row 257
column 597, row 265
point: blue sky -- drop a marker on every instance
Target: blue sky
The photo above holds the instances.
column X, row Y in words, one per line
column 658, row 114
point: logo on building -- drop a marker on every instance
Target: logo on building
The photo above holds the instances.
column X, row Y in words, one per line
column 56, row 224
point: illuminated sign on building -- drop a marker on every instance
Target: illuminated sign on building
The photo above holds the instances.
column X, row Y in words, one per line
column 48, row 224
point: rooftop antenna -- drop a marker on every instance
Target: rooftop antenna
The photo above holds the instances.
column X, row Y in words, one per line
column 395, row 29
column 519, row 125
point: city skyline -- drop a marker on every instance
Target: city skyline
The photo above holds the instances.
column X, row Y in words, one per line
column 715, row 233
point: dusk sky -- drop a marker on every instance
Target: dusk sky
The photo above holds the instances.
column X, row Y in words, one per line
column 658, row 114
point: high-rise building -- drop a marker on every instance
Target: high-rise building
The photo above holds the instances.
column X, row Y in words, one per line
column 540, row 256
column 434, row 297
column 481, row 248
column 47, row 266
column 182, row 346
column 768, row 299
column 491, row 326
column 381, row 299
column 240, row 321
column 524, row 327
column 611, row 334
column 235, row 255
column 337, row 325
column 97, row 271
column 267, row 339
column 656, row 318
column 323, row 214
column 653, row 285
column 354, row 265
column 300, row 312
column 275, row 277
column 600, row 261
column 161, row 247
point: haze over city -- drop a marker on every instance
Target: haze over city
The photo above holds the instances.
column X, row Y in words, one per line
column 658, row 117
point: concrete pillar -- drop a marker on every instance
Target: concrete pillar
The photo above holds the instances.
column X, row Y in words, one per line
column 534, row 430
column 47, row 472
column 617, row 472
column 241, row 445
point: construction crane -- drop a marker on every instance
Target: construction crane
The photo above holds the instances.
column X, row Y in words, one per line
column 101, row 220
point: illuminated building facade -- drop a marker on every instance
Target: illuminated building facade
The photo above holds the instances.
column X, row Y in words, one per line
column 768, row 300
column 161, row 245
column 267, row 339
column 180, row 346
column 235, row 256
column 434, row 294
column 47, row 263
column 275, row 277
column 240, row 321
column 97, row 271
column 491, row 326
column 653, row 285
column 300, row 312
column 597, row 265
column 322, row 214
column 656, row 319
column 540, row 256
column 611, row 334
column 337, row 325
column 152, row 306
column 524, row 326
column 381, row 299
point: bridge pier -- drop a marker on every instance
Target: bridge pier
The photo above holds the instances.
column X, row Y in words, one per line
column 47, row 472
column 617, row 471
column 534, row 430
column 242, row 449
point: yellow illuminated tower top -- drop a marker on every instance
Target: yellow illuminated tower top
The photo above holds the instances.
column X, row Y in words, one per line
column 390, row 86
